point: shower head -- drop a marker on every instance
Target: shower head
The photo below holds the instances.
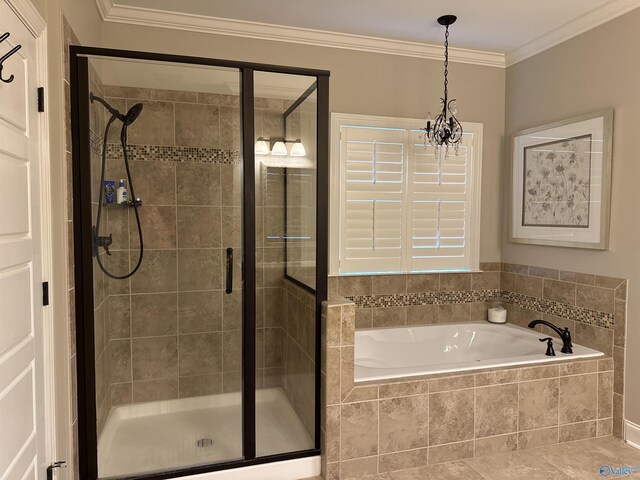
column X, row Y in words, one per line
column 132, row 114
column 127, row 119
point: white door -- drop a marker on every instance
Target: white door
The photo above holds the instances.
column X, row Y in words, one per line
column 22, row 432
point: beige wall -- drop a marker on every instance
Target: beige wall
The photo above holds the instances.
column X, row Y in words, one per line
column 41, row 6
column 364, row 83
column 594, row 71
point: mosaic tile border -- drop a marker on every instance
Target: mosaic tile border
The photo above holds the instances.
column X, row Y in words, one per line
column 424, row 298
column 571, row 312
column 170, row 153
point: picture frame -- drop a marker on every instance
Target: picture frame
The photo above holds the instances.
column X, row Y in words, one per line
column 560, row 179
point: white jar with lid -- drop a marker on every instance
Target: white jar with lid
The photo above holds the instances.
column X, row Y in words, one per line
column 497, row 313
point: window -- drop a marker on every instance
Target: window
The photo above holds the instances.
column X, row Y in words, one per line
column 396, row 207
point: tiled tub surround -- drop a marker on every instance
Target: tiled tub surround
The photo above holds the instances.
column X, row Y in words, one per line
column 385, row 426
column 171, row 331
column 593, row 307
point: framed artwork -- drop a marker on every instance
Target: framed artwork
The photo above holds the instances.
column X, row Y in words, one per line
column 561, row 183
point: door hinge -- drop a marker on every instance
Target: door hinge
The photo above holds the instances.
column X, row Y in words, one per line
column 40, row 99
column 53, row 466
column 45, row 293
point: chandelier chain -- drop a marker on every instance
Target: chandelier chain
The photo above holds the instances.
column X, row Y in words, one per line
column 446, row 63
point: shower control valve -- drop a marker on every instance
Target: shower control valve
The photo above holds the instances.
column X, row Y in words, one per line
column 100, row 241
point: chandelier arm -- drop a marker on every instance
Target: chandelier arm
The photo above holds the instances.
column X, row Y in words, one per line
column 456, row 123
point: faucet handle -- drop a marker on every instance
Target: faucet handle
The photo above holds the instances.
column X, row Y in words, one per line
column 550, row 351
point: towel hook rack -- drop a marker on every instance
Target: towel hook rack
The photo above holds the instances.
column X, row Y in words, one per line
column 3, row 37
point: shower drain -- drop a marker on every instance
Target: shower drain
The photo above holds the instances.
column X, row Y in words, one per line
column 204, row 442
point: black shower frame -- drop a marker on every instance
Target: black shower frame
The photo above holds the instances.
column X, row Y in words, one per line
column 83, row 259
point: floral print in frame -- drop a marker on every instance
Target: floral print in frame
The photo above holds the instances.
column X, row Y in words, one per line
column 557, row 181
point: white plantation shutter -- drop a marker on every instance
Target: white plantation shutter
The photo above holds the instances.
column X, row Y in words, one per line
column 401, row 208
column 373, row 173
column 439, row 206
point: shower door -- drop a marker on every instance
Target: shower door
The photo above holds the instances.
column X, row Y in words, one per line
column 167, row 264
column 197, row 345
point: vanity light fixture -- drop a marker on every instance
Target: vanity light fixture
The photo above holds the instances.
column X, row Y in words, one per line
column 445, row 131
column 278, row 147
column 298, row 149
column 262, row 147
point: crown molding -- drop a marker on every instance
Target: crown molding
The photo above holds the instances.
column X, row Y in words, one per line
column 583, row 23
column 111, row 12
column 104, row 7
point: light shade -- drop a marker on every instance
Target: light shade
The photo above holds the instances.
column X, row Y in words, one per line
column 298, row 149
column 279, row 149
column 261, row 147
column 287, row 162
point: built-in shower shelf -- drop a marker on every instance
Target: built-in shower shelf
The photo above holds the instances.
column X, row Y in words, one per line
column 121, row 205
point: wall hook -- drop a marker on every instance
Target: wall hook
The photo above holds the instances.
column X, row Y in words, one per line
column 3, row 37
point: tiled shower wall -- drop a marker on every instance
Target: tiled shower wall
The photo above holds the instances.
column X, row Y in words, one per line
column 171, row 331
column 299, row 374
column 100, row 293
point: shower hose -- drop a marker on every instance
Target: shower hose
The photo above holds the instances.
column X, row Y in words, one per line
column 101, row 199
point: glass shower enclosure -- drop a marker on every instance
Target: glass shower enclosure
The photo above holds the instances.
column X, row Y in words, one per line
column 199, row 186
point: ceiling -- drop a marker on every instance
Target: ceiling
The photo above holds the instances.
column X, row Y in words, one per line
column 501, row 26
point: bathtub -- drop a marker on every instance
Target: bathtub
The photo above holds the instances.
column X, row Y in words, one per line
column 390, row 353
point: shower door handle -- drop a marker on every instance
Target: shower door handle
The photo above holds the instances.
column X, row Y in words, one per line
column 229, row 270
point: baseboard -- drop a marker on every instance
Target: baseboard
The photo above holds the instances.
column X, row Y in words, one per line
column 632, row 434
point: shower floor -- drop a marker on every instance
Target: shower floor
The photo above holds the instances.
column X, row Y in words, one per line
column 170, row 434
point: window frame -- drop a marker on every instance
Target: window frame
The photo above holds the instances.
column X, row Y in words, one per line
column 336, row 210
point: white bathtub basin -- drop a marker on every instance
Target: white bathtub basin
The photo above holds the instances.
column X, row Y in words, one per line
column 389, row 353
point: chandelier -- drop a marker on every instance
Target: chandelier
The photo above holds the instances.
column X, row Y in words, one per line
column 445, row 131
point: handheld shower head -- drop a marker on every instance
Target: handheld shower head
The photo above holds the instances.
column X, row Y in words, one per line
column 132, row 114
column 126, row 119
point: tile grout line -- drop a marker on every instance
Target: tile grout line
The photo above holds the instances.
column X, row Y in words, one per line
column 175, row 188
column 475, row 405
column 558, row 408
column 340, row 400
column 518, row 419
